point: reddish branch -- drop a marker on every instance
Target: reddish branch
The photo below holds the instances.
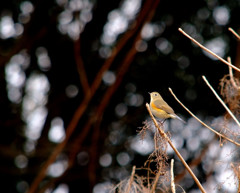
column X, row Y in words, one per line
column 145, row 15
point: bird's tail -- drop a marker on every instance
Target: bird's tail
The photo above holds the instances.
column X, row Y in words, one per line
column 177, row 117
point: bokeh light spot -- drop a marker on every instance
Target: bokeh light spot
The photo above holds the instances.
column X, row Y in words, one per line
column 22, row 186
column 105, row 160
column 121, row 109
column 71, row 91
column 57, row 132
column 164, row 45
column 109, row 77
column 21, row 161
column 62, row 188
column 123, row 158
column 221, row 15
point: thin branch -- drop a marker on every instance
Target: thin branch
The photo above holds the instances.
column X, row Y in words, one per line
column 131, row 180
column 172, row 177
column 145, row 16
column 163, row 134
column 231, row 74
column 221, row 101
column 80, row 66
column 234, row 33
column 204, row 124
column 154, row 186
column 207, row 50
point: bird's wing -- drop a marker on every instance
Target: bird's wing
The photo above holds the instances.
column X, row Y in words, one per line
column 164, row 106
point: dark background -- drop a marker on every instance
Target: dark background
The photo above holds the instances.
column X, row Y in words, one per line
column 136, row 74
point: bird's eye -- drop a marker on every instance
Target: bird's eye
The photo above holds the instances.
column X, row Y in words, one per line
column 155, row 94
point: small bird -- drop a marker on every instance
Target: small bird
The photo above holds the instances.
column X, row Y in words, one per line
column 160, row 108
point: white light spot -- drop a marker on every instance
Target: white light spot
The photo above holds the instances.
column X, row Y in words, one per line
column 74, row 29
column 164, row 45
column 216, row 45
column 143, row 147
column 123, row 158
column 7, row 29
column 130, row 8
column 227, row 179
column 134, row 100
column 221, row 15
column 29, row 146
column 14, row 75
column 35, row 122
column 75, row 5
column 61, row 2
column 102, row 187
column 71, row 91
column 109, row 77
column 43, row 58
column 62, row 188
column 105, row 52
column 148, row 31
column 141, row 46
column 57, row 169
column 37, row 86
column 26, row 7
column 105, row 160
column 56, row 133
column 21, row 161
column 121, row 109
column 65, row 17
column 193, row 143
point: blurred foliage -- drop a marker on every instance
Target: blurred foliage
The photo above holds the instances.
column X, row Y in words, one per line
column 47, row 46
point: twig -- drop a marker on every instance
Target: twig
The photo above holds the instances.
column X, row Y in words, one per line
column 145, row 15
column 80, row 66
column 207, row 50
column 234, row 33
column 204, row 124
column 163, row 134
column 221, row 101
column 155, row 181
column 195, row 162
column 172, row 177
column 131, row 180
column 231, row 74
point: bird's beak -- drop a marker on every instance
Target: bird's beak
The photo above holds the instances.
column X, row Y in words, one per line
column 149, row 93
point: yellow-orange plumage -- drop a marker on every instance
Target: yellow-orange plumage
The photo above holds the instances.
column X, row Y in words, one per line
column 160, row 108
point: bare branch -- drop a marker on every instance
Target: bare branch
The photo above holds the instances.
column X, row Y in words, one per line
column 234, row 33
column 131, row 180
column 207, row 50
column 221, row 101
column 231, row 74
column 204, row 124
column 172, row 177
column 163, row 134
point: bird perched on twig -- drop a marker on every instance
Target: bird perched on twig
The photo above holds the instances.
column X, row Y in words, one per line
column 161, row 109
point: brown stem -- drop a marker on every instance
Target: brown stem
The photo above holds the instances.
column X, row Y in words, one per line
column 163, row 134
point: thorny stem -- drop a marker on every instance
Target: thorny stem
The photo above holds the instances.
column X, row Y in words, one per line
column 207, row 50
column 163, row 134
column 204, row 124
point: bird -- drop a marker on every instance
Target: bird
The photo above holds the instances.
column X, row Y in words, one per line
column 161, row 109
